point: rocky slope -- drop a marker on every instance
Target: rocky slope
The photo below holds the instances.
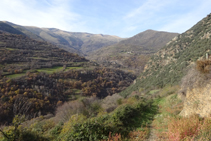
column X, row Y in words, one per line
column 170, row 64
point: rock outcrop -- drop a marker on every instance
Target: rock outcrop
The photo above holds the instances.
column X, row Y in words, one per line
column 196, row 86
column 198, row 101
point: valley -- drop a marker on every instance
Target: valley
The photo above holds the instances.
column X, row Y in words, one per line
column 61, row 86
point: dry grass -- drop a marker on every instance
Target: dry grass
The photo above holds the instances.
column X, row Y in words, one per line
column 189, row 128
column 181, row 128
column 116, row 137
column 139, row 135
column 203, row 66
column 169, row 126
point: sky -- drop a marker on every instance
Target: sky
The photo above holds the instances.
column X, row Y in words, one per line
column 123, row 18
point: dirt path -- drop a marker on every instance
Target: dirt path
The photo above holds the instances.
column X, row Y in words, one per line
column 152, row 136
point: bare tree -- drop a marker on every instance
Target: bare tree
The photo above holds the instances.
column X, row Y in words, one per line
column 21, row 106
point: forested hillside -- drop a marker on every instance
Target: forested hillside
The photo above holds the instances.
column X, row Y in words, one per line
column 44, row 75
column 19, row 53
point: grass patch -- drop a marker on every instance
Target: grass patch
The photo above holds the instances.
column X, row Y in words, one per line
column 10, row 48
column 71, row 68
column 154, row 91
column 40, row 58
column 11, row 76
column 78, row 96
column 77, row 91
column 50, row 70
column 169, row 107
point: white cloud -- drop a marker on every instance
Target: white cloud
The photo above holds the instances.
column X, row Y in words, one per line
column 146, row 10
column 57, row 14
column 187, row 20
column 146, row 16
column 125, row 20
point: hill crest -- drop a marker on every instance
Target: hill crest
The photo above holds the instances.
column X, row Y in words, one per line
column 132, row 50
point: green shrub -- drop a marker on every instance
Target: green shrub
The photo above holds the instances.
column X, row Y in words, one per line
column 56, row 130
column 119, row 101
column 121, row 121
column 31, row 136
column 21, row 135
column 41, row 127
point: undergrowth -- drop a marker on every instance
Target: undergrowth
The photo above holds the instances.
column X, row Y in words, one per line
column 170, row 126
column 128, row 122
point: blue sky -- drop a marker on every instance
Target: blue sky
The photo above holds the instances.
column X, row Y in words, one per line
column 123, row 18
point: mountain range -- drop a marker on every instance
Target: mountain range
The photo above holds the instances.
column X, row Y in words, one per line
column 107, row 50
column 133, row 52
column 76, row 42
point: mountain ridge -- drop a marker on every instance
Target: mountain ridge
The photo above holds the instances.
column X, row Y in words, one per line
column 77, row 42
column 134, row 49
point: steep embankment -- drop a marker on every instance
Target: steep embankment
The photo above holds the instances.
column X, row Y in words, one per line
column 133, row 52
column 170, row 64
column 196, row 87
column 198, row 101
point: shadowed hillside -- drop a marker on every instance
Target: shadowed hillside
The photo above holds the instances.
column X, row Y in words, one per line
column 7, row 28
